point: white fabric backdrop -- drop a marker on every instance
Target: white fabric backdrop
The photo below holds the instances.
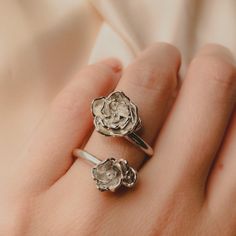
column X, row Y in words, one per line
column 44, row 43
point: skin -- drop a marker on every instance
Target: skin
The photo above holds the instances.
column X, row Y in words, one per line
column 187, row 188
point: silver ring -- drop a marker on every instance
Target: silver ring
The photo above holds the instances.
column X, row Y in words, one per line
column 116, row 116
column 111, row 173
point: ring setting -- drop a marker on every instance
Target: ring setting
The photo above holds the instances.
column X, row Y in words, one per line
column 117, row 116
column 111, row 173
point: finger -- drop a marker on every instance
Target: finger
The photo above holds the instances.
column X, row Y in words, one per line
column 221, row 190
column 67, row 123
column 193, row 132
column 150, row 82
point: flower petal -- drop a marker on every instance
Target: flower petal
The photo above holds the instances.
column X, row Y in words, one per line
column 108, row 175
column 103, row 130
column 102, row 187
column 130, row 178
column 106, row 164
column 119, row 97
column 97, row 106
column 115, row 184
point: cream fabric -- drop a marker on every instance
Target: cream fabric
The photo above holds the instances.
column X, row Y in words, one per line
column 44, row 43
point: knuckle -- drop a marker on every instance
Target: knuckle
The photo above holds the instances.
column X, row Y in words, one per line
column 151, row 78
column 167, row 47
column 96, row 71
column 216, row 69
column 216, row 50
column 215, row 47
column 156, row 68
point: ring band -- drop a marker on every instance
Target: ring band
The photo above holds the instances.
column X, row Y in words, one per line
column 111, row 173
column 136, row 140
column 116, row 116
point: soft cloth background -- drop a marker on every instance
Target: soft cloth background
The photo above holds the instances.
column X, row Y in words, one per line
column 44, row 43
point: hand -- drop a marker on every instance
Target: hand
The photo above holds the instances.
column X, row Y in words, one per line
column 187, row 188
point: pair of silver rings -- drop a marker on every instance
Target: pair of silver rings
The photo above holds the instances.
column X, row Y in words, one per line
column 115, row 116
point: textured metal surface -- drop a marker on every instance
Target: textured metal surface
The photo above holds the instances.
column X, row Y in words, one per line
column 111, row 173
column 116, row 116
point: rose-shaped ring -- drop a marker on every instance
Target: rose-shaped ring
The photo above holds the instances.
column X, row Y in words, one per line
column 111, row 173
column 116, row 116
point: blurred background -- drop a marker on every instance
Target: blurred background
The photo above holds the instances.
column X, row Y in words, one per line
column 44, row 43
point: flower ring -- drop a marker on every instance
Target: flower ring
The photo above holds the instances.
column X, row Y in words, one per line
column 115, row 115
column 111, row 173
